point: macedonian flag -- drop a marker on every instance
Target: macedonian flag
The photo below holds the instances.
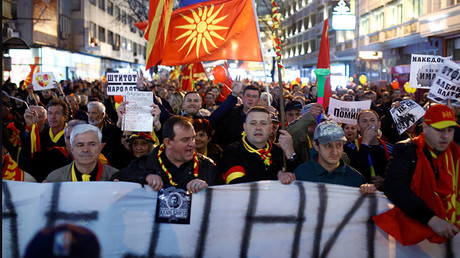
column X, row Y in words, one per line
column 211, row 30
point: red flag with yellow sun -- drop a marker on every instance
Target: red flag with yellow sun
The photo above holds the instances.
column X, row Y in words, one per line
column 211, row 30
column 190, row 74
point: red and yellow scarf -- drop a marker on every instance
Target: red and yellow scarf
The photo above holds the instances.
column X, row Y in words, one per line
column 441, row 196
column 85, row 177
column 11, row 171
column 195, row 164
column 264, row 153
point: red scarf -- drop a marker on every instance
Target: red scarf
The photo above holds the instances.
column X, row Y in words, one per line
column 439, row 195
column 11, row 171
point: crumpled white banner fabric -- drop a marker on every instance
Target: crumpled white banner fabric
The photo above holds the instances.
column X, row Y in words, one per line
column 264, row 219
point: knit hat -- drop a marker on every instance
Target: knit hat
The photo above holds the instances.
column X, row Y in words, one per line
column 440, row 116
column 329, row 131
column 140, row 135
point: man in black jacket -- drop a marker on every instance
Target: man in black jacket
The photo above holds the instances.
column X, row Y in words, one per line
column 174, row 162
column 255, row 157
column 423, row 181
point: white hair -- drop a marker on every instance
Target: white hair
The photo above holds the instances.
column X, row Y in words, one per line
column 97, row 104
column 84, row 128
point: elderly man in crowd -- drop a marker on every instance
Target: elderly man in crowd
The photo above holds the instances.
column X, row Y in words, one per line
column 86, row 146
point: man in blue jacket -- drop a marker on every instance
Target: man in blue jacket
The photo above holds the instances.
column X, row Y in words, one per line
column 326, row 166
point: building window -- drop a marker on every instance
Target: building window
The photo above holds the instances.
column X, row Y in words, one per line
column 417, row 8
column 64, row 26
column 397, row 14
column 93, row 1
column 379, row 21
column 129, row 46
column 123, row 17
column 101, row 34
column 110, row 37
column 116, row 45
column 92, row 30
column 109, row 7
column 101, row 4
column 124, row 45
column 134, row 49
column 313, row 45
column 132, row 27
column 76, row 5
column 117, row 13
column 364, row 28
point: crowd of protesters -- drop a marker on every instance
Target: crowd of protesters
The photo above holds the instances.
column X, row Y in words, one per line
column 202, row 138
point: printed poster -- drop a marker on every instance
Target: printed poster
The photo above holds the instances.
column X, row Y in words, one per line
column 406, row 114
column 423, row 69
column 43, row 81
column 120, row 83
column 347, row 111
column 173, row 206
column 447, row 84
column 138, row 116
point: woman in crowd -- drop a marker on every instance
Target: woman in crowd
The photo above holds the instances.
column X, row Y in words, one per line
column 140, row 144
column 203, row 143
column 351, row 132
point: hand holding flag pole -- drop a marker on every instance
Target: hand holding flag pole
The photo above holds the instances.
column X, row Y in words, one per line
column 321, row 76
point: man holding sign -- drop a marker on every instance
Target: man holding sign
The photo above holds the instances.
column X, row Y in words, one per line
column 422, row 181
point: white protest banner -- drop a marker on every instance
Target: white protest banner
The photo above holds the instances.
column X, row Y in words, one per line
column 423, row 69
column 263, row 219
column 138, row 116
column 346, row 111
column 447, row 84
column 43, row 81
column 406, row 114
column 120, row 83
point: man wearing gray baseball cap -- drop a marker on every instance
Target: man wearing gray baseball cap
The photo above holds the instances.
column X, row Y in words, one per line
column 326, row 166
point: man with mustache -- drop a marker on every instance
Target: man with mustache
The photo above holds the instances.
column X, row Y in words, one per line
column 86, row 146
column 423, row 182
column 255, row 157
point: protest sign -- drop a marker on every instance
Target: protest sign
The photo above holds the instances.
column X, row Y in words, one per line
column 447, row 84
column 423, row 69
column 138, row 116
column 406, row 114
column 262, row 219
column 43, row 81
column 346, row 111
column 120, row 83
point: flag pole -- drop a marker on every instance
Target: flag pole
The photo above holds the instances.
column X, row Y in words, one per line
column 277, row 40
column 261, row 53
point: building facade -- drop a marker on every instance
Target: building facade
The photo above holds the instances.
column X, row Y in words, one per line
column 392, row 29
column 77, row 38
